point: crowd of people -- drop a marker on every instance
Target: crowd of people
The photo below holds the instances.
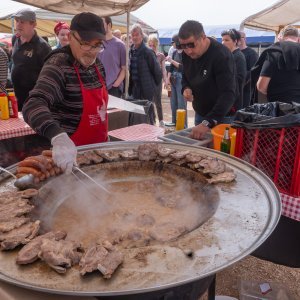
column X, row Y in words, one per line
column 63, row 92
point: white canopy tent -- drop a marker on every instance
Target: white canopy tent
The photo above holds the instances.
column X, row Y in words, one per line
column 46, row 21
column 99, row 7
column 275, row 17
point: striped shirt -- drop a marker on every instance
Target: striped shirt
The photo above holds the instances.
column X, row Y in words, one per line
column 55, row 104
column 3, row 67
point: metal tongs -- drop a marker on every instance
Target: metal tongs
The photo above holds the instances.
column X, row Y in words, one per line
column 99, row 185
column 21, row 183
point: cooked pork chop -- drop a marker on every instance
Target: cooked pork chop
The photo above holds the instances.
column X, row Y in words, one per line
column 12, row 223
column 93, row 157
column 179, row 154
column 105, row 258
column 147, row 152
column 29, row 253
column 109, row 156
column 223, row 177
column 214, row 166
column 164, row 151
column 61, row 254
column 129, row 155
column 22, row 235
column 28, row 193
column 193, row 157
column 14, row 209
column 82, row 160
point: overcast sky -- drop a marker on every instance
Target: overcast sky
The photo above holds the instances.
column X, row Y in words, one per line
column 172, row 13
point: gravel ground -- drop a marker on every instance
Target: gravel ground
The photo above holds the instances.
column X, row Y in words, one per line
column 249, row 268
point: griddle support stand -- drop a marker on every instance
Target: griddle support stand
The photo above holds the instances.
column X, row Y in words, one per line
column 212, row 289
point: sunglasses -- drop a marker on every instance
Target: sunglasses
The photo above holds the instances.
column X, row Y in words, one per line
column 186, row 46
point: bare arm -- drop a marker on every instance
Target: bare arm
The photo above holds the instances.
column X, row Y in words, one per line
column 262, row 84
column 120, row 77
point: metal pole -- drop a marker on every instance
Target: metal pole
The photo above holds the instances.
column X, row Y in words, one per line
column 127, row 56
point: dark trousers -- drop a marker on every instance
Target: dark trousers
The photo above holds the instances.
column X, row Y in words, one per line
column 115, row 91
column 283, row 245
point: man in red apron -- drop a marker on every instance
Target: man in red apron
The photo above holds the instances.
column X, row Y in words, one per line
column 68, row 104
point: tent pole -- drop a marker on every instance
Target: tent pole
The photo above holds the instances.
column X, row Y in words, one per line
column 127, row 56
column 12, row 25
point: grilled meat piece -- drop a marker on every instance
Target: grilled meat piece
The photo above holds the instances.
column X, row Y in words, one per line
column 14, row 209
column 214, row 166
column 147, row 151
column 60, row 255
column 29, row 253
column 129, row 155
column 164, row 151
column 179, row 154
column 105, row 258
column 29, row 193
column 223, row 177
column 22, row 235
column 93, row 157
column 82, row 160
column 193, row 157
column 109, row 156
column 12, row 223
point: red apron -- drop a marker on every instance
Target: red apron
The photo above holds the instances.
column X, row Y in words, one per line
column 93, row 125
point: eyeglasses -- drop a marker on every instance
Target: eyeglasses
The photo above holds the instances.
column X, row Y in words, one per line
column 186, row 46
column 87, row 47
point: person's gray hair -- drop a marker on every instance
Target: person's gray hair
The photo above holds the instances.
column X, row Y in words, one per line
column 137, row 27
column 290, row 31
column 190, row 28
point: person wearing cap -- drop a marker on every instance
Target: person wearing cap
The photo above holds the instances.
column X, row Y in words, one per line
column 62, row 30
column 68, row 104
column 279, row 69
column 174, row 80
column 209, row 77
column 113, row 58
column 28, row 54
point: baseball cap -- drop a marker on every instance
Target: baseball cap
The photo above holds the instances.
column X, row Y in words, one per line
column 25, row 14
column 89, row 26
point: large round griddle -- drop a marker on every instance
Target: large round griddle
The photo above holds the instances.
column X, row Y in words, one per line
column 248, row 211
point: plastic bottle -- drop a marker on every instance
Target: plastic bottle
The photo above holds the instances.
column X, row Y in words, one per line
column 226, row 142
column 4, row 111
column 180, row 119
column 12, row 105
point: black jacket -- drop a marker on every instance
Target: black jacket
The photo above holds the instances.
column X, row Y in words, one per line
column 149, row 73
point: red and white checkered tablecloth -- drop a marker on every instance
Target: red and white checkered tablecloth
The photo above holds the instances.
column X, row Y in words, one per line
column 14, row 127
column 140, row 132
column 290, row 207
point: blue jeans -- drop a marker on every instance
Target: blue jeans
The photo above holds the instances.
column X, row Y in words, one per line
column 199, row 119
column 177, row 100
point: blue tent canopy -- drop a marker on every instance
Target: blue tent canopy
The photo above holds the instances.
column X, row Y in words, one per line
column 253, row 36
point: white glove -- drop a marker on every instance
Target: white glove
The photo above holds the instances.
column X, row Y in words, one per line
column 64, row 152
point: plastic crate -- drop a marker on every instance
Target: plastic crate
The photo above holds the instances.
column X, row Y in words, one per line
column 276, row 152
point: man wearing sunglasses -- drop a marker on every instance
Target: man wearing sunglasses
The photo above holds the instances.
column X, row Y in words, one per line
column 68, row 103
column 208, row 77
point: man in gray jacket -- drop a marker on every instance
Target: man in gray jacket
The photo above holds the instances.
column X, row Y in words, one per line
column 145, row 72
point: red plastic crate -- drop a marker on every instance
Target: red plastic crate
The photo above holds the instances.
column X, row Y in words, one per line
column 276, row 152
